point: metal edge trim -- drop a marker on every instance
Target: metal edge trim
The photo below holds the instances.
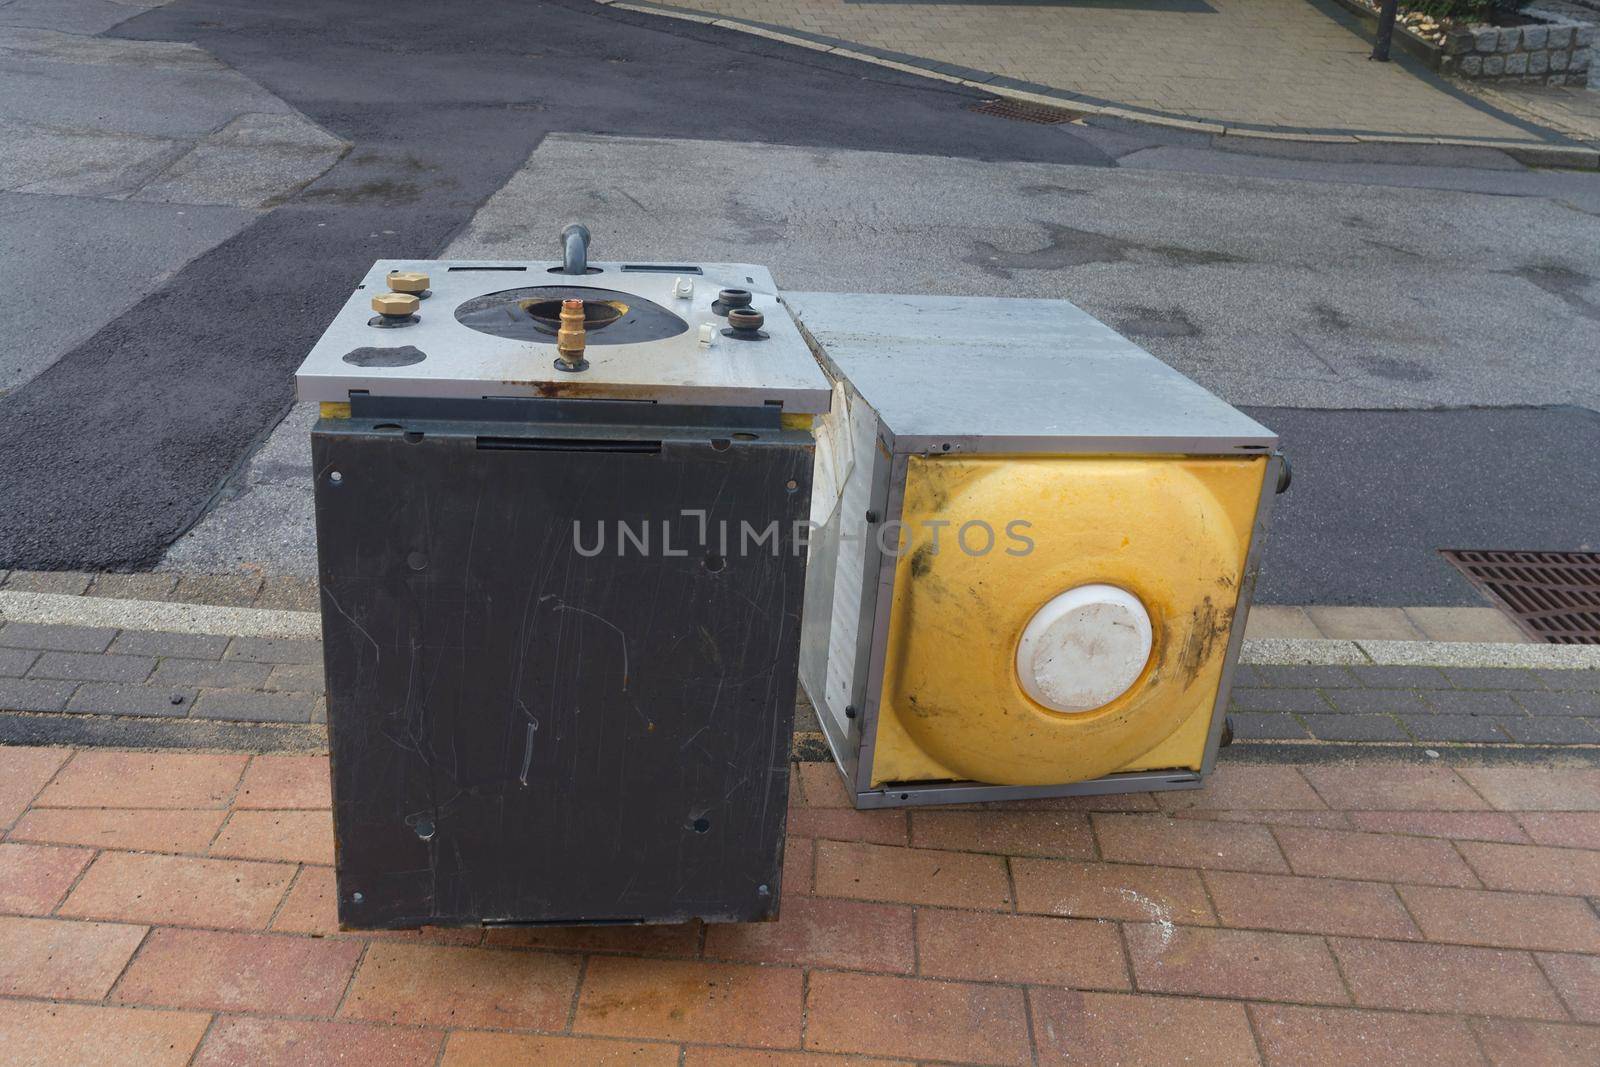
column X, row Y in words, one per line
column 1067, row 445
column 1241, row 609
column 883, row 605
column 971, row 793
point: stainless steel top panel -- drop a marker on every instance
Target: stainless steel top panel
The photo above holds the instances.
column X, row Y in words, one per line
column 463, row 362
column 988, row 374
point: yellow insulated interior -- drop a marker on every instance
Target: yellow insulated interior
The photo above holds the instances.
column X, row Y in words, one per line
column 1172, row 530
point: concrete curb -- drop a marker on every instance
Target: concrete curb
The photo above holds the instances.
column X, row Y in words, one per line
column 60, row 609
column 1570, row 156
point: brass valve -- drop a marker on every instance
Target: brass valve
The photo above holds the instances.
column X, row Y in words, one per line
column 408, row 281
column 395, row 305
column 571, row 337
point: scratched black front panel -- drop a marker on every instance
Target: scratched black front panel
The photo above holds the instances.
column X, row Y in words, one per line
column 525, row 733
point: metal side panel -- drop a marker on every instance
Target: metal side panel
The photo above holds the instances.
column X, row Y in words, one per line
column 523, row 732
column 851, row 481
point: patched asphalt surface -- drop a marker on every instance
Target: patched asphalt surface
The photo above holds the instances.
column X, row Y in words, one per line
column 117, row 448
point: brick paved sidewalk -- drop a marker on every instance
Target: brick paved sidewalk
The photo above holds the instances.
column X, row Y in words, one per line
column 158, row 907
column 1275, row 66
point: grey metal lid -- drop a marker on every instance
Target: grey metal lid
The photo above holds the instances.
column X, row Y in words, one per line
column 440, row 356
column 988, row 374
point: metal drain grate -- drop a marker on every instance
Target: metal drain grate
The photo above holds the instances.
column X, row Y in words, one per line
column 1553, row 596
column 1022, row 111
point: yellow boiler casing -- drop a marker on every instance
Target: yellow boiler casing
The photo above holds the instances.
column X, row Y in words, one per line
column 1172, row 530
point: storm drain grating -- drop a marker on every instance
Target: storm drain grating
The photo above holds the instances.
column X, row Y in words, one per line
column 1022, row 111
column 1553, row 596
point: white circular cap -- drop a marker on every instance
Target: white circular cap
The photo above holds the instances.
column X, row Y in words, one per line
column 1084, row 648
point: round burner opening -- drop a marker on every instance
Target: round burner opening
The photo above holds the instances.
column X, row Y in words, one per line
column 533, row 313
column 597, row 314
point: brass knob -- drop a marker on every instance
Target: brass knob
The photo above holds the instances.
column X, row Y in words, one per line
column 408, row 281
column 395, row 305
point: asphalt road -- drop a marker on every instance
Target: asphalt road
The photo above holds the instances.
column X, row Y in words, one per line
column 118, row 447
column 1318, row 285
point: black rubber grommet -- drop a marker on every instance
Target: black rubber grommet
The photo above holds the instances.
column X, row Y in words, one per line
column 746, row 318
column 728, row 299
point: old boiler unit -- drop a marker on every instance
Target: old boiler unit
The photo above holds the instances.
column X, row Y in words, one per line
column 1035, row 547
column 556, row 521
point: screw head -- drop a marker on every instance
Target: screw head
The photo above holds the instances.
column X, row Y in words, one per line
column 395, row 305
column 408, row 281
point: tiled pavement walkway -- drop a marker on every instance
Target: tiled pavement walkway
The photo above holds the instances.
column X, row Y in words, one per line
column 155, row 907
column 1264, row 64
column 75, row 677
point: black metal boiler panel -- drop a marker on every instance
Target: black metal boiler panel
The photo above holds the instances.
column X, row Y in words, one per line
column 533, row 719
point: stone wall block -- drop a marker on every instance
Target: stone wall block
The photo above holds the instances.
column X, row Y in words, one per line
column 1471, row 66
column 1488, row 40
column 1510, row 39
column 1533, row 37
column 1558, row 37
column 1559, row 60
column 1494, row 66
column 1517, row 64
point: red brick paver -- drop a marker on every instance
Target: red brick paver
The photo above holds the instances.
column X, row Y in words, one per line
column 1138, row 1031
column 173, row 907
column 34, row 878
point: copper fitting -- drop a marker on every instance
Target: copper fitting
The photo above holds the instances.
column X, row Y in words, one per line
column 570, row 337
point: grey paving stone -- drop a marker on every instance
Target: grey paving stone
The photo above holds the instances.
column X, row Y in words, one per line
column 92, row 667
column 157, row 643
column 289, row 594
column 1476, row 702
column 226, row 589
column 1378, row 701
column 1348, row 727
column 1277, row 700
column 1493, row 678
column 56, row 638
column 14, row 662
column 1402, row 677
column 1247, row 675
column 112, row 698
column 210, row 673
column 134, row 586
column 275, row 650
column 1307, row 677
column 252, row 706
column 1454, row 727
column 298, row 677
column 1553, row 730
column 72, row 583
column 23, row 694
column 1266, row 726
column 1560, row 703
column 1571, row 680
